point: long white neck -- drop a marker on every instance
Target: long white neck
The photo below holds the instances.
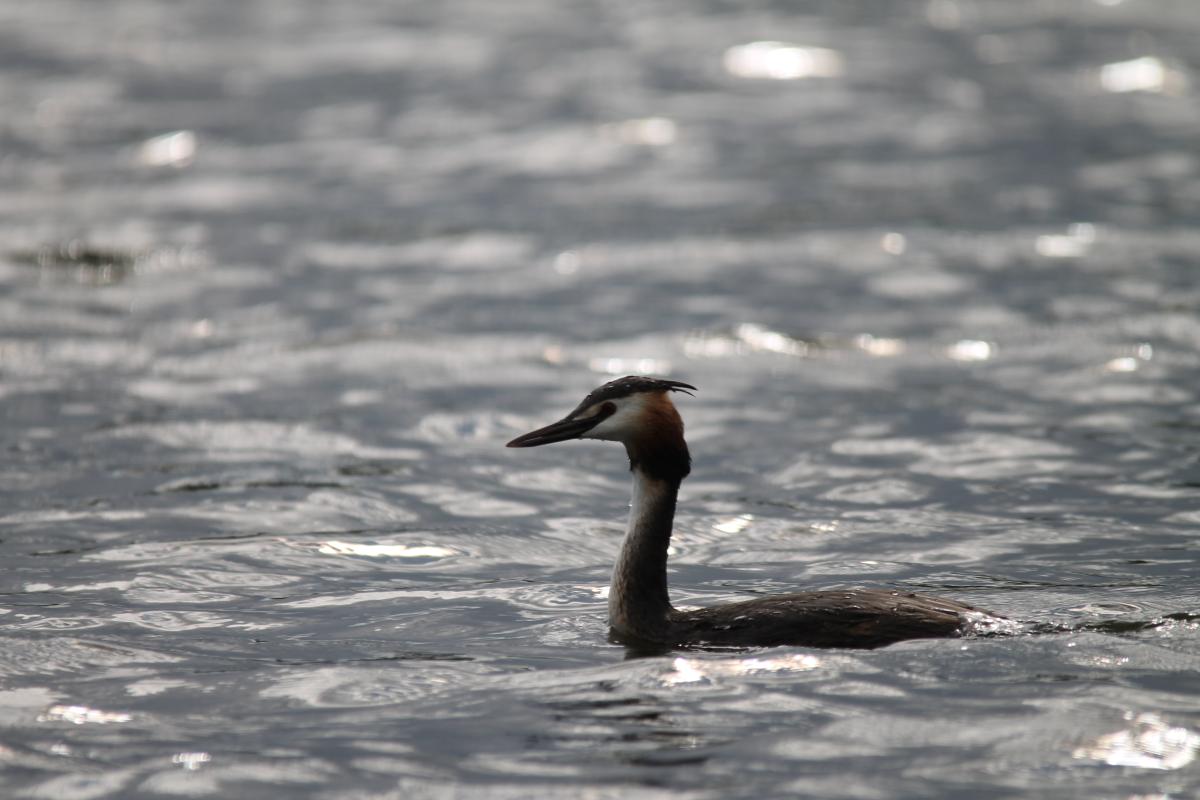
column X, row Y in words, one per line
column 638, row 604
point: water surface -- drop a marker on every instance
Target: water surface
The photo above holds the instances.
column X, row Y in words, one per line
column 281, row 279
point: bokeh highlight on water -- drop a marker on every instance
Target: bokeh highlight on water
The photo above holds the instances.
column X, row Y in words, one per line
column 281, row 278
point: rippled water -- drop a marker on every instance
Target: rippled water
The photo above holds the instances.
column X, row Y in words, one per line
column 281, row 278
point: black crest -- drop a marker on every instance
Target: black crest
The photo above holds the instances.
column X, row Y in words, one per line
column 631, row 384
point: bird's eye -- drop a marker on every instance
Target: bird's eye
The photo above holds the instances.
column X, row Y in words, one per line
column 607, row 410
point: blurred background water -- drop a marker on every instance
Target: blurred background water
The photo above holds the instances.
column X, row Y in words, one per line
column 281, row 278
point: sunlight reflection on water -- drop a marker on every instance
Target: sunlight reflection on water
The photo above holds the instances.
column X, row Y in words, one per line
column 1149, row 743
column 82, row 715
column 385, row 550
column 685, row 670
column 780, row 61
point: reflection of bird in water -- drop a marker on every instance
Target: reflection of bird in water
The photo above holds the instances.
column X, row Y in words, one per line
column 638, row 412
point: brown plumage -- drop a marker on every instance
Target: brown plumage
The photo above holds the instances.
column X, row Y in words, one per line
column 660, row 451
column 838, row 618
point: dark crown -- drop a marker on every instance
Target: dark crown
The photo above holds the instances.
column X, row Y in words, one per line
column 631, row 384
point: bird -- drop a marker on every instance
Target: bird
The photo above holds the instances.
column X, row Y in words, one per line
column 638, row 412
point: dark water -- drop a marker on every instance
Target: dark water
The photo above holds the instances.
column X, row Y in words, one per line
column 280, row 278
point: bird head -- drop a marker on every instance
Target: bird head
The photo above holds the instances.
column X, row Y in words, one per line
column 636, row 411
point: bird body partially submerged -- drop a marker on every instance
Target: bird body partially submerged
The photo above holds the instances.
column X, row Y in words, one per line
column 638, row 412
column 836, row 618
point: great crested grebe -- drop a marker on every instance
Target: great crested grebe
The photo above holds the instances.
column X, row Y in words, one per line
column 638, row 412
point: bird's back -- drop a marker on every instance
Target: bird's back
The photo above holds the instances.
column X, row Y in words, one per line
column 862, row 618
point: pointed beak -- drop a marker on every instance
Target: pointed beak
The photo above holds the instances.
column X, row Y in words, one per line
column 555, row 432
